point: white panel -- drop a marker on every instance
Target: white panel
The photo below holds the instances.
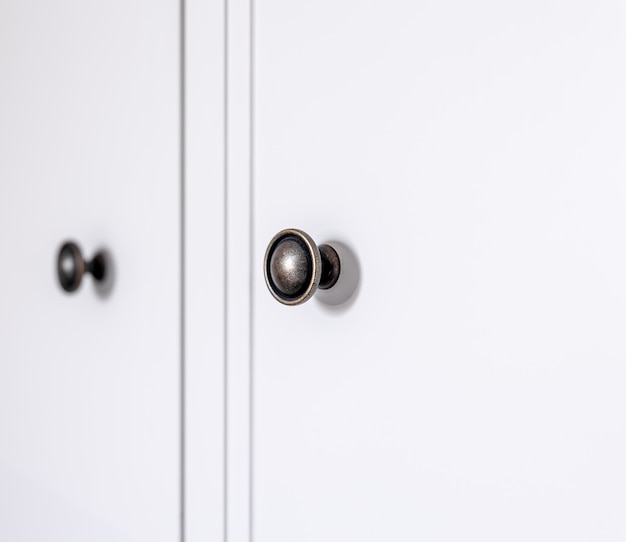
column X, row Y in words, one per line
column 472, row 155
column 90, row 382
column 239, row 280
column 204, row 271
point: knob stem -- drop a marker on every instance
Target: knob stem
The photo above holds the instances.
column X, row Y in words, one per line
column 97, row 266
column 331, row 267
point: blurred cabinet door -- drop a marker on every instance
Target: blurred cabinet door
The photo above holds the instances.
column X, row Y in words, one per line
column 473, row 156
column 90, row 381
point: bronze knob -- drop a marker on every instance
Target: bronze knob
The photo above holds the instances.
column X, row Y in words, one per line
column 295, row 267
column 71, row 266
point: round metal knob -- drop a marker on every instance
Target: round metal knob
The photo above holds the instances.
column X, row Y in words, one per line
column 295, row 267
column 71, row 266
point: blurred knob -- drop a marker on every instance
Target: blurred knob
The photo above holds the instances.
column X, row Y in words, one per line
column 295, row 267
column 71, row 266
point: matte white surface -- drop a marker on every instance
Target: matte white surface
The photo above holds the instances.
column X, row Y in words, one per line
column 90, row 384
column 204, row 272
column 472, row 154
column 238, row 275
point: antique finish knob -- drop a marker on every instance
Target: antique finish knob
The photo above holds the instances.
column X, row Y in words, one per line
column 71, row 266
column 295, row 267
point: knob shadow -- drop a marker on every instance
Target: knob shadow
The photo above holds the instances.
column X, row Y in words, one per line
column 343, row 294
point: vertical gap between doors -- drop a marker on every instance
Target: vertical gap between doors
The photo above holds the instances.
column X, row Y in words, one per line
column 225, row 299
column 182, row 271
column 251, row 290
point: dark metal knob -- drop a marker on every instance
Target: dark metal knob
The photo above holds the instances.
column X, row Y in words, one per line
column 71, row 266
column 295, row 267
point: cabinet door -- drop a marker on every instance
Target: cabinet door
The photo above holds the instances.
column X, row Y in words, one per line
column 90, row 381
column 471, row 155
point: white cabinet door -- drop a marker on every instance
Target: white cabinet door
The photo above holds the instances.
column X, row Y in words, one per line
column 472, row 156
column 90, row 381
